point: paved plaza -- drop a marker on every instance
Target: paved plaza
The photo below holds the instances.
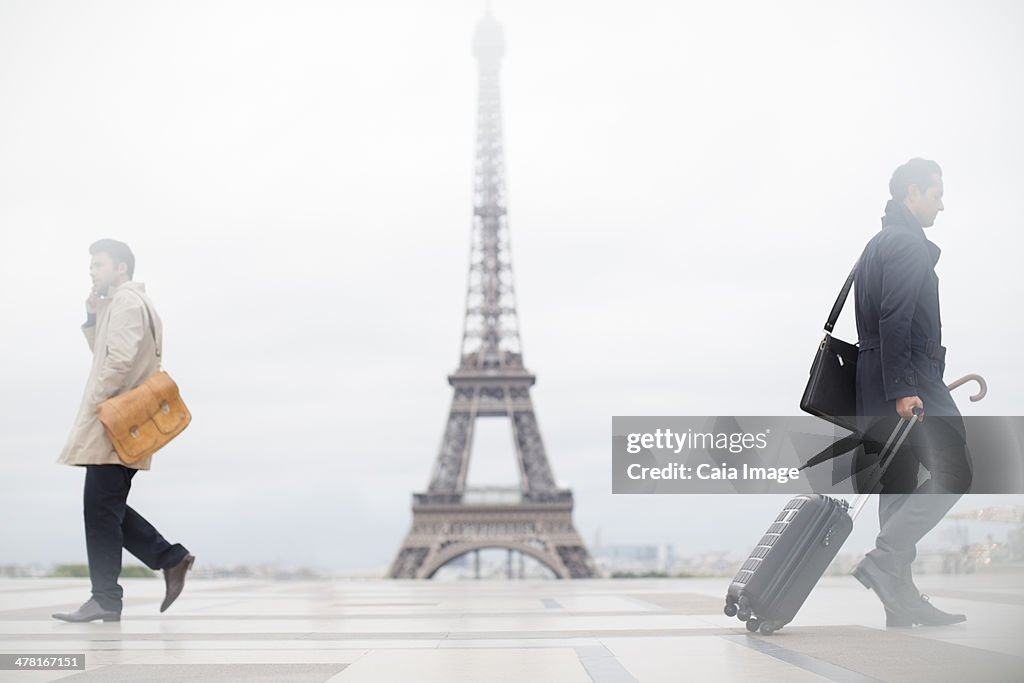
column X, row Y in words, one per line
column 606, row 631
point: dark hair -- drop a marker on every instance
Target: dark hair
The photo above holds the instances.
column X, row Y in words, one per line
column 119, row 253
column 915, row 172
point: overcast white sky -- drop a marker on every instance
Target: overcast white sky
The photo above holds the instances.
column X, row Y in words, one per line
column 689, row 185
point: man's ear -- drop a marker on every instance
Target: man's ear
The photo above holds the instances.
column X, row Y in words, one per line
column 913, row 192
column 122, row 268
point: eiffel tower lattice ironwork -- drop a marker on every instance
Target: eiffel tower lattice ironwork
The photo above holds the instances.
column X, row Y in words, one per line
column 535, row 518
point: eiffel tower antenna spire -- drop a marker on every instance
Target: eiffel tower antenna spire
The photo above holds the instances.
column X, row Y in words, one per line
column 535, row 517
column 490, row 336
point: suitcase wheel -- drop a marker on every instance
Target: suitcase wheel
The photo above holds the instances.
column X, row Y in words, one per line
column 766, row 627
column 730, row 609
column 743, row 614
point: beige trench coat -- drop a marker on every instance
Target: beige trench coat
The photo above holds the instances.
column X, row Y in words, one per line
column 124, row 349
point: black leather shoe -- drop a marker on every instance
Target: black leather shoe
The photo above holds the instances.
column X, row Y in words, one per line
column 90, row 611
column 889, row 590
column 174, row 577
column 927, row 614
column 896, row 620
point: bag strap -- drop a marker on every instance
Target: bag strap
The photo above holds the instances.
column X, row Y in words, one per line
column 837, row 307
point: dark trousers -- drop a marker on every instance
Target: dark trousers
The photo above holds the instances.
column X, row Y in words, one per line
column 904, row 518
column 110, row 524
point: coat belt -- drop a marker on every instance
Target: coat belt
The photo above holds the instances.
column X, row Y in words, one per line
column 931, row 348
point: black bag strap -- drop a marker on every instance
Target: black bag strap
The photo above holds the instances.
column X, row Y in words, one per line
column 837, row 307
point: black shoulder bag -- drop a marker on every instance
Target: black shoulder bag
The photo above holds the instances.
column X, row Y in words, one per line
column 831, row 391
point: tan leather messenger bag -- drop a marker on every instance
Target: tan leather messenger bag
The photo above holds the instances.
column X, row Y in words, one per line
column 141, row 421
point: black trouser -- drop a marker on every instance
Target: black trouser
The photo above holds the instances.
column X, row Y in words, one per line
column 110, row 525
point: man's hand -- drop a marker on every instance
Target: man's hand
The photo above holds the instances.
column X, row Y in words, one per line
column 92, row 303
column 905, row 406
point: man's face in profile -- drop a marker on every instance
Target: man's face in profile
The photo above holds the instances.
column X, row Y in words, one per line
column 926, row 205
column 103, row 273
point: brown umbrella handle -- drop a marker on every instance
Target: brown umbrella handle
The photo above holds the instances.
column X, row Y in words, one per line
column 982, row 385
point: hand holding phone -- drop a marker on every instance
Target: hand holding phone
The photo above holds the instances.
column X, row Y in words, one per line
column 92, row 303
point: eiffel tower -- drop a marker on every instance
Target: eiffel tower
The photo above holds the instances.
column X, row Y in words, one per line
column 535, row 518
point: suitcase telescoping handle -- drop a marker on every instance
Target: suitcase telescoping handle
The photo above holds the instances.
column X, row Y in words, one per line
column 889, row 450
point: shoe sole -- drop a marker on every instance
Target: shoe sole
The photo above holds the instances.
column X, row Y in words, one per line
column 116, row 617
column 936, row 624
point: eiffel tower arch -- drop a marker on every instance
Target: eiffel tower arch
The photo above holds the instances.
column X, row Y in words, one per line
column 533, row 518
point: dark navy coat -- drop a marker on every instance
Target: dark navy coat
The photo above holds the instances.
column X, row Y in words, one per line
column 896, row 294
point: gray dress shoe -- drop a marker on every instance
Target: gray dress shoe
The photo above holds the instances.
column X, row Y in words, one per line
column 174, row 579
column 889, row 589
column 927, row 614
column 90, row 611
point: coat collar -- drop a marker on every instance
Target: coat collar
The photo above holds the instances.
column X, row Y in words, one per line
column 898, row 217
column 129, row 285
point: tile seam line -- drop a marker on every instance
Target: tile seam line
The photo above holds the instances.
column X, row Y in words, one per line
column 617, row 673
column 819, row 667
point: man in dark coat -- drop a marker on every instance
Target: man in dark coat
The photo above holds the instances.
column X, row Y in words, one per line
column 899, row 369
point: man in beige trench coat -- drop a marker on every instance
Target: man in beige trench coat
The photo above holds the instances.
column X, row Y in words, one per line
column 125, row 336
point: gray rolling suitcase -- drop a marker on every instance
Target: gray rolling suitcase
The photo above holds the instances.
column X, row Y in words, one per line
column 772, row 585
